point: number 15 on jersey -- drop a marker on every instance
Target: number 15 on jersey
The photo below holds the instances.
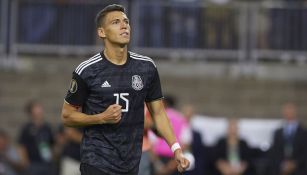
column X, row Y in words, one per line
column 122, row 96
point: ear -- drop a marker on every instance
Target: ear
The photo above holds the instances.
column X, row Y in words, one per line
column 101, row 33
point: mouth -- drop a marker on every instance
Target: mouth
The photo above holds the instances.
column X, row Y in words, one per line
column 124, row 34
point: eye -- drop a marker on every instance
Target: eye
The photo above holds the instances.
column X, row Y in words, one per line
column 115, row 22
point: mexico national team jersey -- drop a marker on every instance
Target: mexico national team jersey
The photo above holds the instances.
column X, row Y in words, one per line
column 96, row 84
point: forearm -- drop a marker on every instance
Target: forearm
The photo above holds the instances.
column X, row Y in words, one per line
column 18, row 166
column 73, row 118
column 24, row 159
column 164, row 128
column 161, row 121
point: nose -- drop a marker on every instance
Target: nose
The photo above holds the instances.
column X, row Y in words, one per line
column 124, row 25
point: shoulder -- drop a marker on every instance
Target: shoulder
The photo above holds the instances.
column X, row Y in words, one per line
column 243, row 142
column 277, row 133
column 88, row 63
column 301, row 130
column 222, row 141
column 26, row 127
column 279, row 130
column 142, row 58
column 25, row 130
column 47, row 126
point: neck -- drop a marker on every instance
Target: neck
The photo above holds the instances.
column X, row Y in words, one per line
column 291, row 122
column 116, row 55
column 232, row 140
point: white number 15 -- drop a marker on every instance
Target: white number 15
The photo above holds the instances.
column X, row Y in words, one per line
column 123, row 97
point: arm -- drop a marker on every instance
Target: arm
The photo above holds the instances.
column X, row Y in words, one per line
column 162, row 123
column 72, row 117
column 223, row 167
column 164, row 128
column 24, row 159
column 15, row 161
column 75, row 98
column 148, row 123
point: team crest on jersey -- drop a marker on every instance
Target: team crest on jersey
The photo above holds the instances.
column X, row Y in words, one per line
column 73, row 86
column 137, row 83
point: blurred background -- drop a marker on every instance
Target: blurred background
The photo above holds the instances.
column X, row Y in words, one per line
column 240, row 59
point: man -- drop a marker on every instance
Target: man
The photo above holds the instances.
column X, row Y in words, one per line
column 10, row 159
column 110, row 89
column 36, row 141
column 232, row 154
column 67, row 150
column 288, row 154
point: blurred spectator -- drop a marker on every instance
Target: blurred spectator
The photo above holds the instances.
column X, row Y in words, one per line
column 288, row 154
column 286, row 25
column 183, row 134
column 76, row 26
column 196, row 147
column 10, row 159
column 220, row 25
column 36, row 141
column 233, row 155
column 303, row 33
column 63, row 22
column 68, row 150
column 151, row 18
column 37, row 21
column 185, row 23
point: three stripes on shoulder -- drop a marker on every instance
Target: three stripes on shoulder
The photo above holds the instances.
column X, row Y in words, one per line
column 87, row 63
column 98, row 57
column 141, row 57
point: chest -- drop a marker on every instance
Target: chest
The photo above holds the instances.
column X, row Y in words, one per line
column 121, row 86
column 33, row 134
column 119, row 80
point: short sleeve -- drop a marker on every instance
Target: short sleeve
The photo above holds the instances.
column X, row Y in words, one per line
column 154, row 91
column 77, row 92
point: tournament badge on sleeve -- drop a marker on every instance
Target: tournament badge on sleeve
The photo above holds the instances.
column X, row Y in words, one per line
column 73, row 86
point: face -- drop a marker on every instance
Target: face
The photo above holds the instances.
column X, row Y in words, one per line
column 37, row 112
column 289, row 112
column 115, row 29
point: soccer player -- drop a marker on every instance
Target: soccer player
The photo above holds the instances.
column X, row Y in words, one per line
column 106, row 97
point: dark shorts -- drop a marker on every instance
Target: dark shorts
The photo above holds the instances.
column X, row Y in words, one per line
column 90, row 170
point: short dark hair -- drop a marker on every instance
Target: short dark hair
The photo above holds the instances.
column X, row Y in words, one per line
column 102, row 14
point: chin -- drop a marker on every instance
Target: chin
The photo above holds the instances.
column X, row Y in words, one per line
column 124, row 42
column 121, row 42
